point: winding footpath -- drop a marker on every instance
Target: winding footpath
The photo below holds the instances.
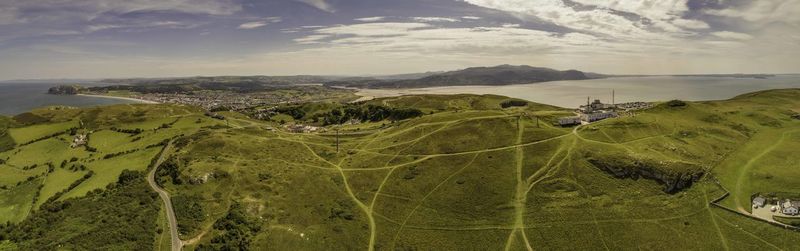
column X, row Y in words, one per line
column 177, row 244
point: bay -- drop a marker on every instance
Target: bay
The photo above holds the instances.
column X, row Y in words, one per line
column 571, row 94
column 16, row 98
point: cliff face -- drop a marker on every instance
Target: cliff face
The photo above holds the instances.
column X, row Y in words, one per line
column 673, row 180
column 65, row 90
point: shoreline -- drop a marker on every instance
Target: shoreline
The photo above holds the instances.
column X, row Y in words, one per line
column 121, row 98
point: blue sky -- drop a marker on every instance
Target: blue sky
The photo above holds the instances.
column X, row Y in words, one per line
column 159, row 38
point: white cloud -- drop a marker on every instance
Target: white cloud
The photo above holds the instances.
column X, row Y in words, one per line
column 252, row 25
column 213, row 7
column 691, row 24
column 258, row 24
column 370, row 19
column 319, row 4
column 384, row 47
column 764, row 12
column 72, row 11
column 435, row 19
column 312, row 39
column 603, row 17
column 140, row 26
column 732, row 35
column 374, row 29
column 471, row 18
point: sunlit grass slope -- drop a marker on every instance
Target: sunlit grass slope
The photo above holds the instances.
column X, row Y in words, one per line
column 468, row 174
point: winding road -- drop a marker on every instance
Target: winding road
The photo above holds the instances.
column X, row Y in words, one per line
column 177, row 244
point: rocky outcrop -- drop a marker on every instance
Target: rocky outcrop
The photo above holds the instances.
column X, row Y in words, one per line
column 673, row 180
column 65, row 90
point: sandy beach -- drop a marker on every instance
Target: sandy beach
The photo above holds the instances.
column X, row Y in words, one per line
column 122, row 98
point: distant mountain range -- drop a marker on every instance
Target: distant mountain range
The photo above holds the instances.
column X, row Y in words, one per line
column 498, row 75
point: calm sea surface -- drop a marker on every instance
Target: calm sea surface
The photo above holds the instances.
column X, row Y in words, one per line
column 16, row 98
column 573, row 93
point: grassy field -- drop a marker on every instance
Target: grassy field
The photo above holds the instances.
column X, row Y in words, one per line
column 466, row 174
column 57, row 181
column 30, row 133
column 16, row 203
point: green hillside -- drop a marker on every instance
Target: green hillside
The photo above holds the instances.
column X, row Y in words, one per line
column 464, row 173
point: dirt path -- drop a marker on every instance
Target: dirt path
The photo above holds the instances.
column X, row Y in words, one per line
column 367, row 210
column 520, row 196
column 746, row 170
column 714, row 221
column 177, row 244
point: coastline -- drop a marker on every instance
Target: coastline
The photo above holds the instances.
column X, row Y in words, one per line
column 121, row 98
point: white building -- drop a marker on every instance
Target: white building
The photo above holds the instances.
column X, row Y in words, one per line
column 759, row 202
column 791, row 207
column 568, row 121
column 790, row 211
column 597, row 116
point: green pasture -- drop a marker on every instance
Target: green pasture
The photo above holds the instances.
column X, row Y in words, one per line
column 27, row 134
column 16, row 203
column 469, row 175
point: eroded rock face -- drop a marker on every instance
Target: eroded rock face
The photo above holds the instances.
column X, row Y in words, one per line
column 65, row 90
column 673, row 181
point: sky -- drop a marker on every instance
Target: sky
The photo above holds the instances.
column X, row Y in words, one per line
column 45, row 39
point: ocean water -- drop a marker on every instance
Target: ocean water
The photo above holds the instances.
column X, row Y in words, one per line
column 574, row 93
column 16, row 98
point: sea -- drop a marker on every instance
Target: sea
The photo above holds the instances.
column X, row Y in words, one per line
column 20, row 97
column 571, row 94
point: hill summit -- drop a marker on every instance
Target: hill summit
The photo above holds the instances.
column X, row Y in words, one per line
column 497, row 75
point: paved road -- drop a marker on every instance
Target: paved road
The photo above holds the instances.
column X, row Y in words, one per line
column 177, row 244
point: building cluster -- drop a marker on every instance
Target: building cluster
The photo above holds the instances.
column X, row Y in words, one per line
column 591, row 112
column 786, row 207
column 215, row 115
column 633, row 106
column 596, row 111
column 79, row 140
column 299, row 128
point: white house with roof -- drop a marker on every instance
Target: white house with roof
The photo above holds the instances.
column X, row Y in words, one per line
column 790, row 207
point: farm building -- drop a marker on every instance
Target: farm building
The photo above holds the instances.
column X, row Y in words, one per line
column 596, row 111
column 595, row 106
column 791, row 207
column 597, row 116
column 790, row 211
column 568, row 121
column 759, row 202
column 79, row 140
column 302, row 128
